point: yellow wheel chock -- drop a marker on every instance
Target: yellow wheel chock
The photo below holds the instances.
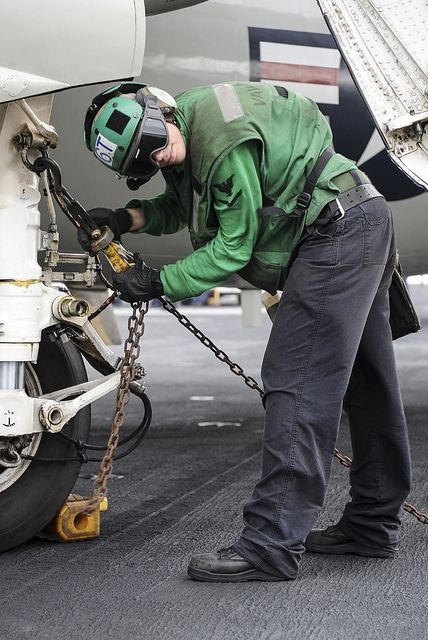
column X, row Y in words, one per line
column 70, row 524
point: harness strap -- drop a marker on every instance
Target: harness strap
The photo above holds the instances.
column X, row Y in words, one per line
column 304, row 199
column 356, row 177
column 274, row 212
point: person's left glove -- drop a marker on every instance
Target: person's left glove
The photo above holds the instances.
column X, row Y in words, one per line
column 138, row 284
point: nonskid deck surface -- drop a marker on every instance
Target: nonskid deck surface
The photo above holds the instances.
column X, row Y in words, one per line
column 182, row 493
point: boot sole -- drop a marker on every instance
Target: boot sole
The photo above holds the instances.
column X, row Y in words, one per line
column 245, row 576
column 349, row 548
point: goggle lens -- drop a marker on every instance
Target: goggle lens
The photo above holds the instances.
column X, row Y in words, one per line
column 152, row 136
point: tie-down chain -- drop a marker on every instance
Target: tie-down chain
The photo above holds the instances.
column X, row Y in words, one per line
column 127, row 374
column 252, row 383
column 120, row 260
column 132, row 350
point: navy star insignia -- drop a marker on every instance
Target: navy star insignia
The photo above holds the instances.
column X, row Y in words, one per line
column 227, row 188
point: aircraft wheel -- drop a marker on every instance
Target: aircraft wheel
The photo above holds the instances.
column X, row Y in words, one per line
column 32, row 493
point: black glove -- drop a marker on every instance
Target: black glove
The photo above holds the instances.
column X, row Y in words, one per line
column 139, row 283
column 119, row 221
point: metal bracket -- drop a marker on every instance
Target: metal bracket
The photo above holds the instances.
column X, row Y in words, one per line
column 47, row 131
column 88, row 276
column 54, row 414
column 49, row 412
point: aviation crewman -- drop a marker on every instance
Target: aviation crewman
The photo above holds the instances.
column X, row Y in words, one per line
column 250, row 171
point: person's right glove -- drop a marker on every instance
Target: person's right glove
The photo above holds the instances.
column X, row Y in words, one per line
column 140, row 283
column 119, row 221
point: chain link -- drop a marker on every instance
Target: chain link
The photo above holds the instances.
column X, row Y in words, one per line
column 419, row 515
column 127, row 375
column 252, row 383
column 347, row 462
column 219, row 354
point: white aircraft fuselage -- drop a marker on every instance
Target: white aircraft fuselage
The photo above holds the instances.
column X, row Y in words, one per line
column 225, row 40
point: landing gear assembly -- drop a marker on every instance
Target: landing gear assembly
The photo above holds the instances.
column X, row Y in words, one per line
column 45, row 396
column 31, row 493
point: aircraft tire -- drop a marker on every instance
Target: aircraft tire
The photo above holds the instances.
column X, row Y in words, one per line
column 32, row 500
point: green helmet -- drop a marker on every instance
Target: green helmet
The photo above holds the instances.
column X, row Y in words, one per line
column 124, row 132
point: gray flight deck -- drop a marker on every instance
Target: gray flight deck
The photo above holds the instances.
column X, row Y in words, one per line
column 182, row 492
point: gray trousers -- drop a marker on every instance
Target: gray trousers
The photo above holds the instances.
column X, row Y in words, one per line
column 331, row 347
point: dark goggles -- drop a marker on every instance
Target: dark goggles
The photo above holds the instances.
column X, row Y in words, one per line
column 151, row 136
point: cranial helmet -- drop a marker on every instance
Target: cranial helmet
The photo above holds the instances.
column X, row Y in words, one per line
column 124, row 131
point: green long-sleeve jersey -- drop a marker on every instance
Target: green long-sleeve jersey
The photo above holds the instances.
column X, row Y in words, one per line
column 247, row 145
column 236, row 196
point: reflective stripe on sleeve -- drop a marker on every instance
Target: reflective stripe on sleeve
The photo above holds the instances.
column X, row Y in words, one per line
column 228, row 101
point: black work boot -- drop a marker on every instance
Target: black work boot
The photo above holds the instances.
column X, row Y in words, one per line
column 225, row 565
column 334, row 540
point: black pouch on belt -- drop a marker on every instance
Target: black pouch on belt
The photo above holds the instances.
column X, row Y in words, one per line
column 402, row 314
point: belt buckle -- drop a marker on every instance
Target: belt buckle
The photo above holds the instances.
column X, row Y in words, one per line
column 341, row 215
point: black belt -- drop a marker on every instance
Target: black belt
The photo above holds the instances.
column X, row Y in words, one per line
column 336, row 209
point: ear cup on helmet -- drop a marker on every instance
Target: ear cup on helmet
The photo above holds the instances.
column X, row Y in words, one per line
column 164, row 99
